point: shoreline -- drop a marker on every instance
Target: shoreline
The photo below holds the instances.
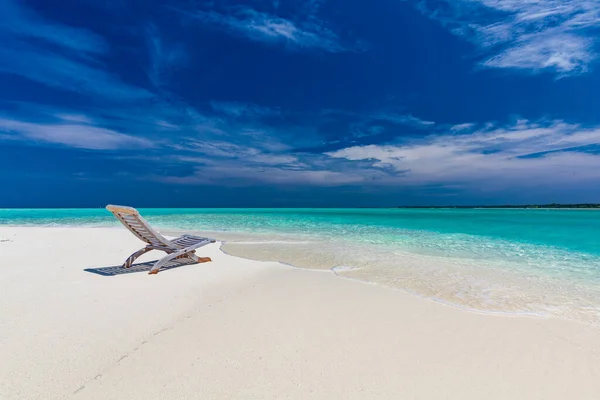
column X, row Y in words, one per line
column 441, row 280
column 222, row 244
column 236, row 238
column 238, row 328
column 440, row 301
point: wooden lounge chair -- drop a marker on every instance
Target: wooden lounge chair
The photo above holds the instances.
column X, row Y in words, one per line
column 181, row 248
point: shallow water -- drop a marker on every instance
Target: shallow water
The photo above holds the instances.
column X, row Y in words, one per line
column 540, row 262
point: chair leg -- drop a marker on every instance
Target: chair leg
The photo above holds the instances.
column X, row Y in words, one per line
column 160, row 263
column 134, row 256
column 197, row 259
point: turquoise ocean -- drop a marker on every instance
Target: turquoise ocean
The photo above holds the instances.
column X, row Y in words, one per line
column 510, row 261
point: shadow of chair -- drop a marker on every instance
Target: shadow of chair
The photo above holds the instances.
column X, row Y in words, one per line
column 140, row 267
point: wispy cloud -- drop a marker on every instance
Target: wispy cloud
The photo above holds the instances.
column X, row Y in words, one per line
column 402, row 119
column 241, row 110
column 238, row 146
column 236, row 163
column 67, row 74
column 353, row 126
column 248, row 176
column 533, row 35
column 462, row 127
column 59, row 56
column 18, row 21
column 309, row 33
column 72, row 134
column 524, row 152
column 165, row 58
column 232, row 172
column 231, row 150
column 79, row 118
column 391, row 115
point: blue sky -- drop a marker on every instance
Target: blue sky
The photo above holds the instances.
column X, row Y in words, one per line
column 299, row 103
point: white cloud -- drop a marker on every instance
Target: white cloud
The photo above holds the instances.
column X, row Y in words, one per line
column 402, row 119
column 535, row 35
column 243, row 175
column 262, row 27
column 73, row 135
column 75, row 118
column 166, row 125
column 245, row 155
column 562, row 52
column 236, row 164
column 462, row 127
column 520, row 153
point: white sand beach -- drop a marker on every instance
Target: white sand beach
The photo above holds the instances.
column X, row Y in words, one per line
column 241, row 329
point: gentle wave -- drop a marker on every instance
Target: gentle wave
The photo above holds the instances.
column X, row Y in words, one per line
column 491, row 286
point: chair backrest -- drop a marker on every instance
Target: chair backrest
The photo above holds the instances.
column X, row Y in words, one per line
column 133, row 221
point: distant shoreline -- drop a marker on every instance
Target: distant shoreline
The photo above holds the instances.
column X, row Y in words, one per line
column 530, row 206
